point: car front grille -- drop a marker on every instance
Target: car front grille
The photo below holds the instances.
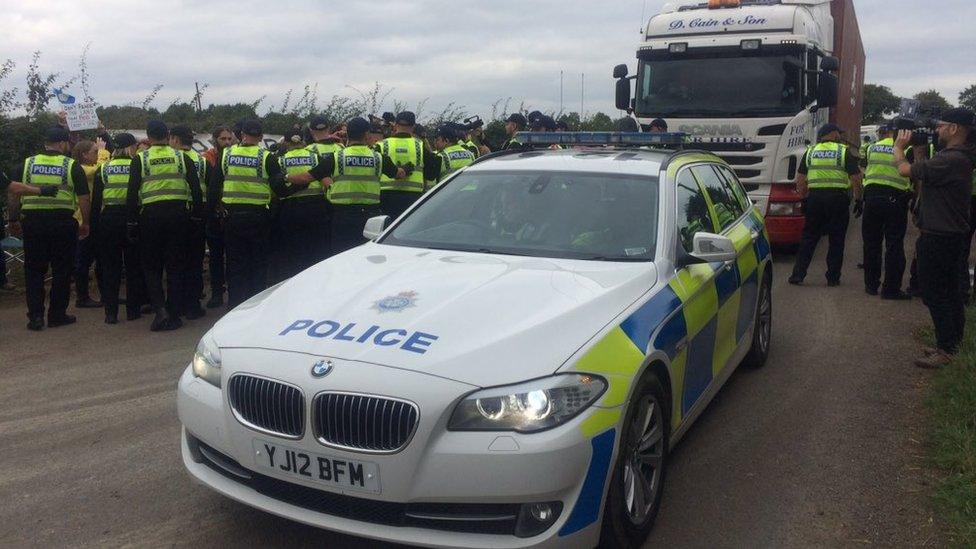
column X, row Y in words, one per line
column 363, row 422
column 268, row 406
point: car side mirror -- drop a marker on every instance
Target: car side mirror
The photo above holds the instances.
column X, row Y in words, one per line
column 375, row 226
column 713, row 248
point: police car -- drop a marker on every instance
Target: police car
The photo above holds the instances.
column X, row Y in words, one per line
column 507, row 364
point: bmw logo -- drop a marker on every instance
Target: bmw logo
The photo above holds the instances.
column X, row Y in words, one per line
column 322, row 368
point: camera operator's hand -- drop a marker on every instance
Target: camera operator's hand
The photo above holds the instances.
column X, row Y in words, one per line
column 858, row 208
column 903, row 139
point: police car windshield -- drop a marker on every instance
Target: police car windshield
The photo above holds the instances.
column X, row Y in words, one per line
column 573, row 215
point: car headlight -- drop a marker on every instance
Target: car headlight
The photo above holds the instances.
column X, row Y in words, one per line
column 527, row 407
column 206, row 360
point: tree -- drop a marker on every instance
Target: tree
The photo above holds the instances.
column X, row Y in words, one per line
column 599, row 122
column 968, row 98
column 931, row 103
column 879, row 101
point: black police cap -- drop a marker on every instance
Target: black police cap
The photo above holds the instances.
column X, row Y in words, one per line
column 123, row 140
column 827, row 129
column 659, row 123
column 293, row 136
column 357, row 126
column 252, row 128
column 518, row 119
column 56, row 134
column 183, row 132
column 157, row 129
column 318, row 123
column 406, row 118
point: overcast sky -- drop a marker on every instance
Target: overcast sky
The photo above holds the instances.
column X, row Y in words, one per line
column 471, row 53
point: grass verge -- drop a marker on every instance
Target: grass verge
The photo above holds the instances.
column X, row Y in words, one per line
column 953, row 438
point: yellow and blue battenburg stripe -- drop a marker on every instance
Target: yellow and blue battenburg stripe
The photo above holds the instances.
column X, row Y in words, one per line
column 697, row 320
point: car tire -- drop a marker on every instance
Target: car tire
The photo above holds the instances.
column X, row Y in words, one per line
column 627, row 522
column 762, row 335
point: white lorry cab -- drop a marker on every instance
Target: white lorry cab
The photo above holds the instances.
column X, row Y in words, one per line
column 751, row 81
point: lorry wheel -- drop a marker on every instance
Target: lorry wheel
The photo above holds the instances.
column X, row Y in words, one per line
column 637, row 484
column 763, row 332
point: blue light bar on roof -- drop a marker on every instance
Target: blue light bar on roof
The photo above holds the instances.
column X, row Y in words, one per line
column 601, row 138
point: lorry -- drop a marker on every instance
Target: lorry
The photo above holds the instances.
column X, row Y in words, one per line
column 752, row 81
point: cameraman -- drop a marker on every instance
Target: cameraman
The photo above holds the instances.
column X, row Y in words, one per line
column 945, row 187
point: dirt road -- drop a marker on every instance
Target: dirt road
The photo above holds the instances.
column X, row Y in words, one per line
column 820, row 448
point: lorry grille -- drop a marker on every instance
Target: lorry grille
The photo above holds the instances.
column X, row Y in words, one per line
column 268, row 406
column 363, row 422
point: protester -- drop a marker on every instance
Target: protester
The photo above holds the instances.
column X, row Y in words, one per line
column 86, row 154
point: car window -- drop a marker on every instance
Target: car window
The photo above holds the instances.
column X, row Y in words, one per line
column 692, row 210
column 732, row 183
column 575, row 215
column 727, row 208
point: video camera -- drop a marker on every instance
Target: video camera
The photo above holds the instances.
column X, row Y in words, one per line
column 473, row 123
column 921, row 120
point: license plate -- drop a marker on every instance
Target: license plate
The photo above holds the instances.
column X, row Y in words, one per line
column 332, row 471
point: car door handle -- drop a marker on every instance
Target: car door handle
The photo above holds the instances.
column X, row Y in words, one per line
column 729, row 264
column 754, row 235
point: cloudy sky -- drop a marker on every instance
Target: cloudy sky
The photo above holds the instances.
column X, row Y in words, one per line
column 470, row 53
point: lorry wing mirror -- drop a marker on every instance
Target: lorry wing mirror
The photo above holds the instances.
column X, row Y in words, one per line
column 829, row 64
column 827, row 90
column 623, row 94
column 620, row 71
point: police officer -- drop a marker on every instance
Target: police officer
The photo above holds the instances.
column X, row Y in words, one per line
column 115, row 253
column 181, row 139
column 515, row 123
column 355, row 190
column 49, row 228
column 305, row 216
column 408, row 153
column 826, row 175
column 323, row 142
column 945, row 187
column 163, row 195
column 886, row 198
column 243, row 184
column 453, row 155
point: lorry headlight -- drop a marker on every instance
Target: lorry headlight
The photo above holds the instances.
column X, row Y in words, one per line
column 527, row 407
column 206, row 360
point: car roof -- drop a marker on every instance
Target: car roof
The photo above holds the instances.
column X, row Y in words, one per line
column 625, row 161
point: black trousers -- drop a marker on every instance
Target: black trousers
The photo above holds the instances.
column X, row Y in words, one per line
column 195, row 249
column 117, row 255
column 215, row 264
column 49, row 241
column 941, row 284
column 348, row 222
column 827, row 214
column 394, row 203
column 305, row 233
column 163, row 229
column 85, row 253
column 246, row 237
column 883, row 232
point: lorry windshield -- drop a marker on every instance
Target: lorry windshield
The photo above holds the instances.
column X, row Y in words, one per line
column 573, row 215
column 720, row 85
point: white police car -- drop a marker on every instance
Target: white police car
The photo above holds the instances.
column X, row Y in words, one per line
column 507, row 365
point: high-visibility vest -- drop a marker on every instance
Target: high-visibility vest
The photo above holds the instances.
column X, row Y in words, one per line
column 403, row 151
column 46, row 170
column 201, row 166
column 245, row 178
column 301, row 161
column 324, row 149
column 163, row 176
column 454, row 158
column 826, row 166
column 471, row 146
column 356, row 178
column 115, row 181
column 881, row 168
